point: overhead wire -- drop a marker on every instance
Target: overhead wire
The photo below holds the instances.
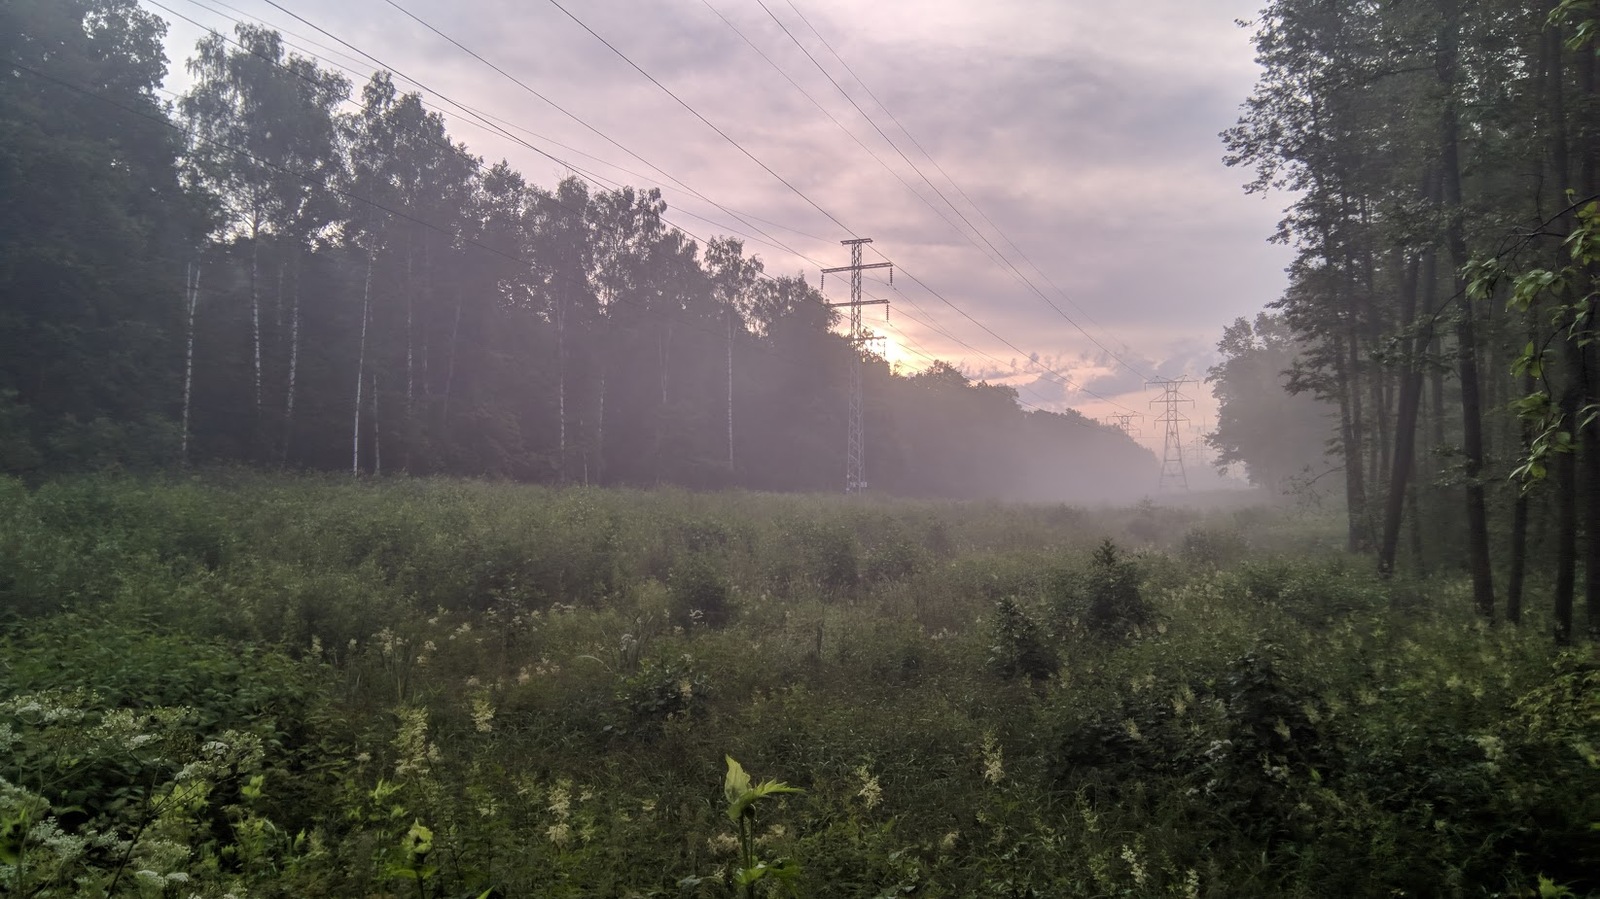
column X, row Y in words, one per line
column 476, row 163
column 785, row 182
column 475, row 55
column 381, row 64
column 520, row 83
column 346, row 194
column 992, row 333
column 469, row 113
column 1019, row 274
column 351, row 196
column 840, row 125
column 473, row 161
column 696, row 113
column 1002, row 366
column 1077, row 418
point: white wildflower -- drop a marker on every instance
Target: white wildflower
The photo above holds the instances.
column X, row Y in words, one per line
column 482, row 714
column 870, row 793
column 993, row 764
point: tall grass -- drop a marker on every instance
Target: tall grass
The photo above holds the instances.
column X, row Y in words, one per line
column 282, row 686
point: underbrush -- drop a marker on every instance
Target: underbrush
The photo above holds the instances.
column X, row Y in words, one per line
column 285, row 687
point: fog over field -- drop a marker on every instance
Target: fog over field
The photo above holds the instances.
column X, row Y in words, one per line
column 774, row 448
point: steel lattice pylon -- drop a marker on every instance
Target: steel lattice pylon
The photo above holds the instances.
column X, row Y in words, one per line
column 855, row 457
column 1173, row 475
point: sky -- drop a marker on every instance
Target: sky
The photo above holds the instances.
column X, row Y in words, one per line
column 1084, row 235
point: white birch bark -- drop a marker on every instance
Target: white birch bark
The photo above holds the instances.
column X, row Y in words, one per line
column 377, row 433
column 294, row 361
column 255, row 303
column 361, row 362
column 191, row 303
column 561, row 385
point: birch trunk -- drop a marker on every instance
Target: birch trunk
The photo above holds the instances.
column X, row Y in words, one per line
column 191, row 304
column 255, row 305
column 294, row 361
column 361, row 361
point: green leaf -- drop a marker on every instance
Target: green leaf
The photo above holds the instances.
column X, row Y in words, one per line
column 736, row 783
column 743, row 805
column 742, row 796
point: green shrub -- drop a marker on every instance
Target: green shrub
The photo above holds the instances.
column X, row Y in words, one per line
column 1104, row 598
column 699, row 594
column 1018, row 648
column 662, row 690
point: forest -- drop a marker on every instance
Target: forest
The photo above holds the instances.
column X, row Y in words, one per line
column 1440, row 305
column 249, row 275
column 374, row 522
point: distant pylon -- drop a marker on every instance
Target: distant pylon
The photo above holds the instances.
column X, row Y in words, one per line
column 1172, row 474
column 855, row 462
column 1124, row 422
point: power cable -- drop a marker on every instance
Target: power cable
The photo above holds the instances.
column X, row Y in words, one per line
column 469, row 113
column 352, row 196
column 991, row 332
column 696, row 113
column 947, row 177
column 381, row 64
column 852, row 135
column 477, row 164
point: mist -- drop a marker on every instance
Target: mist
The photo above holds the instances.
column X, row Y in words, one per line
column 331, row 281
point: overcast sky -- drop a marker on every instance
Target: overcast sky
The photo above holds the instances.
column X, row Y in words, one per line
column 1085, row 133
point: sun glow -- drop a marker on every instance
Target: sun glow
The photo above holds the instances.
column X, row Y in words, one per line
column 889, row 347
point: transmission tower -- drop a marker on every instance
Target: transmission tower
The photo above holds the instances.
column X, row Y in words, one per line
column 1123, row 421
column 855, row 465
column 1172, row 474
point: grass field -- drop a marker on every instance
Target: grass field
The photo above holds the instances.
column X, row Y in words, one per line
column 253, row 686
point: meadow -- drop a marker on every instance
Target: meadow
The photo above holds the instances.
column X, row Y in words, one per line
column 240, row 685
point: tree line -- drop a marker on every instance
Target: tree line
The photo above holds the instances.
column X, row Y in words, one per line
column 1442, row 157
column 253, row 274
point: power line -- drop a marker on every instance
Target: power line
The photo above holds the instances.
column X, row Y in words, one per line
column 693, row 111
column 475, row 163
column 907, row 342
column 1017, row 272
column 696, row 113
column 990, row 331
column 886, row 138
column 162, row 120
column 480, row 119
column 1023, row 278
column 997, row 254
column 934, row 326
column 383, row 65
column 832, row 118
